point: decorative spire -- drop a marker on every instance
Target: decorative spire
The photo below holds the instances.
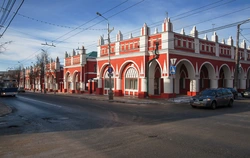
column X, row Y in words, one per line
column 205, row 37
column 182, row 31
column 194, row 32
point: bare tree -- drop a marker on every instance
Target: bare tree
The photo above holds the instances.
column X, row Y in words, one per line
column 2, row 46
column 41, row 62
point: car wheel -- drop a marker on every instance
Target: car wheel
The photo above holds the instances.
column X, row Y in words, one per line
column 230, row 104
column 213, row 106
column 236, row 96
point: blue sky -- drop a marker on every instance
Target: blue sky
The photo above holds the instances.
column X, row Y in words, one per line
column 55, row 21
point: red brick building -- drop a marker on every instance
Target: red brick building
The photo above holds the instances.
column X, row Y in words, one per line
column 200, row 63
column 79, row 69
column 53, row 76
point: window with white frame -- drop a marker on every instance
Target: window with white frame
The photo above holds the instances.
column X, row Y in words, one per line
column 131, row 79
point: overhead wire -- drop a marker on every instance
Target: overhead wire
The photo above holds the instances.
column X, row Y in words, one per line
column 174, row 18
column 90, row 21
column 11, row 19
column 85, row 23
column 110, row 17
column 103, row 20
column 199, row 33
column 244, row 37
column 10, row 5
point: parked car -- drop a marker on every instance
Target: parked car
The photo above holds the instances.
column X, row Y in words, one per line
column 246, row 93
column 20, row 89
column 234, row 91
column 213, row 98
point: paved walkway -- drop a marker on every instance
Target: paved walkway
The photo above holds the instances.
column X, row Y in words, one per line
column 4, row 110
column 128, row 99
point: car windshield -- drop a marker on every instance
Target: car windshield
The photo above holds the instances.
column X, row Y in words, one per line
column 208, row 92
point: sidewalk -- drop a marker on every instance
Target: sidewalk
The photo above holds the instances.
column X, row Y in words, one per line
column 4, row 110
column 128, row 99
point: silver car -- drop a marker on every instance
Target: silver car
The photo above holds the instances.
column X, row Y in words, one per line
column 213, row 98
column 246, row 93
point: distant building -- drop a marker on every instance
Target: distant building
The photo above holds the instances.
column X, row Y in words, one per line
column 79, row 68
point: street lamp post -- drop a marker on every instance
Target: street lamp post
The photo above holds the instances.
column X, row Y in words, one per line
column 237, row 56
column 111, row 95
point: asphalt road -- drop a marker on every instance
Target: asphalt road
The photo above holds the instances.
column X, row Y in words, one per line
column 60, row 126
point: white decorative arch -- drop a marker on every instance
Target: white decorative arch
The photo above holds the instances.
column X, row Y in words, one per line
column 226, row 70
column 103, row 68
column 131, row 72
column 152, row 68
column 131, row 78
column 67, row 77
column 190, row 68
column 210, row 68
column 125, row 64
column 75, row 73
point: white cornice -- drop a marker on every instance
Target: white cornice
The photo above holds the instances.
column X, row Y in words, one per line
column 73, row 66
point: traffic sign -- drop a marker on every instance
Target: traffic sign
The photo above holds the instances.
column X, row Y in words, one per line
column 172, row 70
column 110, row 74
column 173, row 60
column 110, row 69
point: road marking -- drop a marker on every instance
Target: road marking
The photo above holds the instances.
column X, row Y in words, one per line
column 40, row 102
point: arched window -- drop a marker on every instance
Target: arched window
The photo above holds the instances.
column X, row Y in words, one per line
column 131, row 79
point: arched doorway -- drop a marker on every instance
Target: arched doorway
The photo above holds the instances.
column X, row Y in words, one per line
column 76, row 82
column 157, row 79
column 154, row 79
column 221, row 81
column 183, row 80
column 204, row 78
column 68, row 82
column 248, row 79
column 225, row 77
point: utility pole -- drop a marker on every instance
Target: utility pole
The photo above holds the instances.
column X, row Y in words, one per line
column 237, row 57
column 110, row 70
column 44, row 70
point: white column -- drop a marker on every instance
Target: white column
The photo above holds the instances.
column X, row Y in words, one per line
column 99, row 82
column 194, row 85
column 143, row 84
column 229, row 82
column 168, row 84
column 64, row 83
column 51, row 86
column 214, row 83
column 242, row 83
column 151, row 85
column 73, row 86
column 197, row 45
column 118, row 84
column 168, row 42
column 82, row 86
